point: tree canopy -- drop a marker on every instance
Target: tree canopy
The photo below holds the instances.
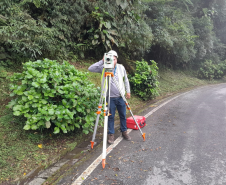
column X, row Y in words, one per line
column 175, row 33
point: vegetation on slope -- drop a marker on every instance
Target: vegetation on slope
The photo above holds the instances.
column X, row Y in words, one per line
column 176, row 34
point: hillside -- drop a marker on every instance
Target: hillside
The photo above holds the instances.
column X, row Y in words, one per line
column 186, row 39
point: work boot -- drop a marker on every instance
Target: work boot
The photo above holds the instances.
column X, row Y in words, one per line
column 126, row 136
column 110, row 139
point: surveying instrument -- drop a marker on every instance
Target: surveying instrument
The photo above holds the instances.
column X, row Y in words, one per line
column 105, row 94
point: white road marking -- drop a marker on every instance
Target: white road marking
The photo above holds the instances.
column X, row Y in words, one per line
column 90, row 169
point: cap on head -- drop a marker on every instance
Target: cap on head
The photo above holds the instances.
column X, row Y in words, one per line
column 112, row 52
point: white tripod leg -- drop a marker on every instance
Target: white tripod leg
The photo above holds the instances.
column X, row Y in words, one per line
column 105, row 137
column 106, row 108
column 128, row 107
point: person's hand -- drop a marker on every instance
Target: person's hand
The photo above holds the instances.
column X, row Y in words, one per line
column 128, row 95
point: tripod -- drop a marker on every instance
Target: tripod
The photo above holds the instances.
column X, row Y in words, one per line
column 105, row 93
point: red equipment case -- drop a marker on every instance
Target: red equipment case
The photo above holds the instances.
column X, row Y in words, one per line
column 141, row 120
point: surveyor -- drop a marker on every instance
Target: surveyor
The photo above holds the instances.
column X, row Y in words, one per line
column 116, row 101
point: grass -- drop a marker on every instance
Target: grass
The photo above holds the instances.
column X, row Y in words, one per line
column 175, row 81
column 23, row 151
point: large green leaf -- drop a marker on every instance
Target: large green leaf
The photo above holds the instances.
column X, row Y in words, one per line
column 24, row 98
column 30, row 97
column 60, row 116
column 72, row 128
column 25, row 111
column 17, row 113
column 70, row 114
column 19, row 92
column 63, row 128
column 41, row 123
column 77, row 125
column 47, row 118
column 85, row 131
column 64, row 102
column 74, row 102
column 79, row 109
column 56, row 130
column 66, row 117
column 44, row 101
column 34, row 127
column 29, row 76
column 43, row 111
column 17, row 107
column 51, row 111
column 43, row 80
column 27, row 127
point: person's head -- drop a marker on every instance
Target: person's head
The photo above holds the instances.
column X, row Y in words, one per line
column 114, row 53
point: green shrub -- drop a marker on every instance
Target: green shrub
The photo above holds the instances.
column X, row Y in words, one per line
column 54, row 95
column 144, row 82
column 209, row 70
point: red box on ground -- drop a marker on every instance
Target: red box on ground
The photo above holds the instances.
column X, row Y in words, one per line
column 130, row 123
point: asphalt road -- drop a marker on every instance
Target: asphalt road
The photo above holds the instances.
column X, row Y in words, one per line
column 185, row 144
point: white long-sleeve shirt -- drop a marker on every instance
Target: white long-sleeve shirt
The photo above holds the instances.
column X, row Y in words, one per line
column 98, row 68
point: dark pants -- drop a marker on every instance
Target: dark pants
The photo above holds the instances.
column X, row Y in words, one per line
column 121, row 107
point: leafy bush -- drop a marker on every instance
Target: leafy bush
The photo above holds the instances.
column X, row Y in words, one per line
column 209, row 70
column 54, row 95
column 144, row 82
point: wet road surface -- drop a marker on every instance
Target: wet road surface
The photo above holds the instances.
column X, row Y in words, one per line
column 185, row 145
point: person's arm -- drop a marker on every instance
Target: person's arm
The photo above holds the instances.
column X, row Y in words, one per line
column 127, row 86
column 97, row 67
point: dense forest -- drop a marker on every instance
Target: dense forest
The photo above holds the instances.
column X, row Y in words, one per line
column 175, row 33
